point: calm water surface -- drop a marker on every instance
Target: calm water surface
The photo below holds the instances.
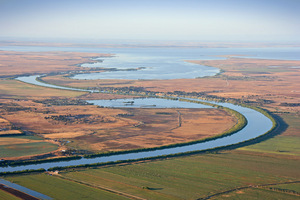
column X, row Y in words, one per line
column 147, row 103
column 162, row 63
column 33, row 80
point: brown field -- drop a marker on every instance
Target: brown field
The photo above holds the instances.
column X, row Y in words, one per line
column 6, row 128
column 93, row 128
column 13, row 89
column 45, row 120
column 156, row 127
column 12, row 141
column 19, row 63
column 259, row 79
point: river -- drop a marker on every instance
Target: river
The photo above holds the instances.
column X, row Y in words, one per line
column 161, row 59
column 257, row 125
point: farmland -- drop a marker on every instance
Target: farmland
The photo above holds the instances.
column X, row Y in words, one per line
column 42, row 62
column 63, row 189
column 23, row 146
column 5, row 195
column 188, row 177
column 220, row 175
column 249, row 172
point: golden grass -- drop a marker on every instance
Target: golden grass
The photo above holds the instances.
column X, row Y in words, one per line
column 17, row 63
column 39, row 121
column 16, row 89
column 204, row 123
column 156, row 127
column 66, row 135
column 13, row 141
column 10, row 132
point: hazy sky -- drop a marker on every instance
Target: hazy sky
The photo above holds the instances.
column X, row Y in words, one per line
column 227, row 20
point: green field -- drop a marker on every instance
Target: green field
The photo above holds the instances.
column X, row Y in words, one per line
column 293, row 122
column 62, row 189
column 188, row 177
column 294, row 187
column 25, row 149
column 284, row 145
column 257, row 194
column 19, row 90
column 7, row 196
column 273, row 161
column 287, row 143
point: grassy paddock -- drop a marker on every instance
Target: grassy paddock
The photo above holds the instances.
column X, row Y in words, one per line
column 188, row 177
column 278, row 145
column 18, row 89
column 32, row 145
column 285, row 139
column 26, row 149
column 60, row 188
column 256, row 194
column 295, row 187
column 191, row 177
column 7, row 196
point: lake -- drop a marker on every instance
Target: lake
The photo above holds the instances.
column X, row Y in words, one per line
column 162, row 63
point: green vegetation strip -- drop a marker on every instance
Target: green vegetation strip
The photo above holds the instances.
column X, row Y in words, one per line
column 26, row 171
column 25, row 149
column 30, row 162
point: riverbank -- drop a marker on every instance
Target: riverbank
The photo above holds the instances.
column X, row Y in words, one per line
column 232, row 139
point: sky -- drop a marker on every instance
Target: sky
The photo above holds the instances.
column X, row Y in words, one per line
column 189, row 20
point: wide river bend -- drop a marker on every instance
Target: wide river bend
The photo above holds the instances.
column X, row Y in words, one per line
column 258, row 124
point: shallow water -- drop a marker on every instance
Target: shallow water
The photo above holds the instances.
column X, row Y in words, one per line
column 163, row 63
column 152, row 66
column 147, row 103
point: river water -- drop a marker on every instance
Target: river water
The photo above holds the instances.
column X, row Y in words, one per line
column 258, row 124
column 162, row 63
